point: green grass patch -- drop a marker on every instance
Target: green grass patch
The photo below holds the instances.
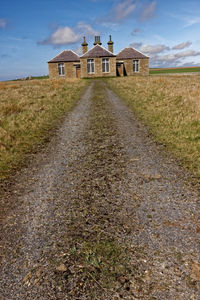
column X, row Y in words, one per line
column 174, row 70
column 40, row 77
column 102, row 261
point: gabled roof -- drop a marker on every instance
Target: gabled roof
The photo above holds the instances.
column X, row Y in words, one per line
column 98, row 51
column 131, row 53
column 65, row 56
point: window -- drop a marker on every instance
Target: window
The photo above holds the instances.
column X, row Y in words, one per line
column 105, row 65
column 61, row 69
column 90, row 66
column 135, row 65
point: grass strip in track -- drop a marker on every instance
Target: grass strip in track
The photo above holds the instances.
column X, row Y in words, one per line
column 98, row 264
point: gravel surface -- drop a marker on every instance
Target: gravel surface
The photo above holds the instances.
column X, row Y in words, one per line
column 165, row 213
column 102, row 213
column 28, row 232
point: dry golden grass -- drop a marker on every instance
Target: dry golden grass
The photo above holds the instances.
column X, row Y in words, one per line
column 28, row 112
column 170, row 107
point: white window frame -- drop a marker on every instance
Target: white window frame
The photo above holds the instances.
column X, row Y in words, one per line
column 90, row 66
column 61, row 69
column 105, row 65
column 136, row 65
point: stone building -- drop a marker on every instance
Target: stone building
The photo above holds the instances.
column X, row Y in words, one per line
column 98, row 62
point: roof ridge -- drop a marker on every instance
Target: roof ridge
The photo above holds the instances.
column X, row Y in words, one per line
column 138, row 51
column 72, row 56
column 131, row 48
column 107, row 50
column 89, row 50
column 75, row 53
column 95, row 47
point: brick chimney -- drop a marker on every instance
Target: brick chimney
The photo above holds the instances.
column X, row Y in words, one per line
column 110, row 44
column 84, row 46
column 97, row 40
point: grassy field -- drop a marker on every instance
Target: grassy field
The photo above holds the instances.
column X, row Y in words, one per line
column 174, row 70
column 29, row 110
column 170, row 107
column 40, row 77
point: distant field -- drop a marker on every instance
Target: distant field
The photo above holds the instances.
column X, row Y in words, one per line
column 174, row 70
column 32, row 78
column 40, row 77
column 29, row 110
column 170, row 107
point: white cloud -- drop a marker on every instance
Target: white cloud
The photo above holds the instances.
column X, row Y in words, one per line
column 150, row 49
column 153, row 49
column 191, row 21
column 136, row 45
column 170, row 59
column 148, row 12
column 188, row 20
column 66, row 35
column 122, row 10
column 125, row 9
column 173, row 59
column 187, row 53
column 182, row 46
column 165, row 58
column 3, row 23
column 190, row 64
column 86, row 29
column 62, row 36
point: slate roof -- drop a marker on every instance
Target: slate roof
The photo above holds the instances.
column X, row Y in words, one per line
column 131, row 53
column 66, row 56
column 98, row 51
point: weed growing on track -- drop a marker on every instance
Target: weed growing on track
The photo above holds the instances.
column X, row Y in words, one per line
column 29, row 110
column 170, row 107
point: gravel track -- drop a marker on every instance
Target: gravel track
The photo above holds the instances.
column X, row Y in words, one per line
column 102, row 177
column 29, row 231
column 166, row 213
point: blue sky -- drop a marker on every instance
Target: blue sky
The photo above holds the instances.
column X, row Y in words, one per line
column 32, row 32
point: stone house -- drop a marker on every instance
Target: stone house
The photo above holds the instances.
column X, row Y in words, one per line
column 98, row 62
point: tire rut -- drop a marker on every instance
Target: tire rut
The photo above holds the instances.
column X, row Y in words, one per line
column 166, row 213
column 28, row 232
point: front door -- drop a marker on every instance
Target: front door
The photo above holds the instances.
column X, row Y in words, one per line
column 78, row 72
column 120, row 69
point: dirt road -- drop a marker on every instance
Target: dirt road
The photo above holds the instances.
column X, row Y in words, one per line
column 102, row 213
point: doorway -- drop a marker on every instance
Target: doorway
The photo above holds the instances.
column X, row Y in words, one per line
column 120, row 69
column 78, row 72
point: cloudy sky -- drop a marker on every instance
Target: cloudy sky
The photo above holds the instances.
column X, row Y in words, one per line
column 32, row 32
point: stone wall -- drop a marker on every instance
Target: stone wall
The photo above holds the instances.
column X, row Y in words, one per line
column 70, row 70
column 143, row 67
column 98, row 68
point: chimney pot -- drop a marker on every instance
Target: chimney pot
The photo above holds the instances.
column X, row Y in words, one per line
column 84, row 46
column 110, row 44
column 97, row 40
